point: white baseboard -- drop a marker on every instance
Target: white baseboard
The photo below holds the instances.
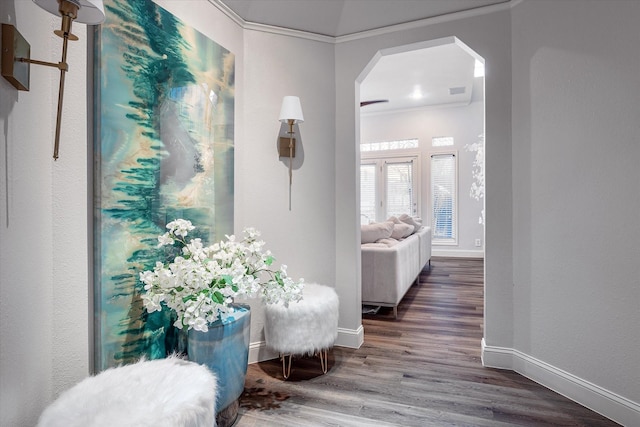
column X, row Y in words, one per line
column 457, row 253
column 351, row 338
column 611, row 405
column 258, row 351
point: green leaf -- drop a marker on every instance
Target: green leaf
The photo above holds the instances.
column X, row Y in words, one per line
column 217, row 297
column 279, row 278
column 269, row 260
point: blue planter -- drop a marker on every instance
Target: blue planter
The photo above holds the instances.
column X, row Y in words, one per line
column 224, row 349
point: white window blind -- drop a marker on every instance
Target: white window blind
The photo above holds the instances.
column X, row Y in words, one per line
column 399, row 188
column 444, row 198
column 367, row 193
column 388, row 187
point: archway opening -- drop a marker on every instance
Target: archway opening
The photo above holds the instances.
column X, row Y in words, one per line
column 423, row 105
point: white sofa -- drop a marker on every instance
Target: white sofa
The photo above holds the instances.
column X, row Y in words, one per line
column 390, row 266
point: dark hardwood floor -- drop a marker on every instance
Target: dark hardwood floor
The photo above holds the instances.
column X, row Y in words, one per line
column 422, row 369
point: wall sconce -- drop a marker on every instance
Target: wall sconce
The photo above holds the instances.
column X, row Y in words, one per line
column 16, row 52
column 290, row 113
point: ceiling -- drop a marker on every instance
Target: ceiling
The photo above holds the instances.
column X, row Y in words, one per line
column 434, row 72
column 337, row 18
column 435, row 76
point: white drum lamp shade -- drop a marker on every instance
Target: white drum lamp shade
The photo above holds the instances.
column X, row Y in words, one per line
column 291, row 110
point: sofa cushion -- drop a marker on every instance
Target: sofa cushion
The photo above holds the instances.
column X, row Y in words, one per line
column 370, row 233
column 375, row 245
column 388, row 242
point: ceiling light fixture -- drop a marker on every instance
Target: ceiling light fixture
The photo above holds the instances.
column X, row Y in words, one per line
column 16, row 51
column 417, row 92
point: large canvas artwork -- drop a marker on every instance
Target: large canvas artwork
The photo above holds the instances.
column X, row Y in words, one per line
column 164, row 102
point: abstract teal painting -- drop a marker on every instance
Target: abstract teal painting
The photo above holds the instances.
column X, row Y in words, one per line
column 163, row 149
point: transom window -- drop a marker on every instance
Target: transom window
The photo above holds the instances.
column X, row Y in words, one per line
column 442, row 141
column 401, row 144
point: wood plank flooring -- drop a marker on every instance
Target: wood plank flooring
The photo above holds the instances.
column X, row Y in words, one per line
column 422, row 369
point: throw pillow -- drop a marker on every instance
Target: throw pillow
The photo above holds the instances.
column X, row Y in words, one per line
column 370, row 233
column 402, row 230
column 394, row 219
column 415, row 222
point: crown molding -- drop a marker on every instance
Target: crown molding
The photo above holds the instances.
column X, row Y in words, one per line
column 230, row 13
column 482, row 10
column 272, row 29
column 478, row 11
column 246, row 25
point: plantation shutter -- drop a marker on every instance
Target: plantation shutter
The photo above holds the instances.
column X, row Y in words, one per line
column 367, row 193
column 443, row 198
column 399, row 188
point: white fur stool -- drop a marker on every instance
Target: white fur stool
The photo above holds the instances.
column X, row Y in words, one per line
column 166, row 392
column 309, row 326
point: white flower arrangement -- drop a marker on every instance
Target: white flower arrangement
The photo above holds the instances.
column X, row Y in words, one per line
column 201, row 283
column 477, row 187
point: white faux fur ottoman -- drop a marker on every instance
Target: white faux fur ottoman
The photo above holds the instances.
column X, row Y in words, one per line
column 307, row 327
column 168, row 392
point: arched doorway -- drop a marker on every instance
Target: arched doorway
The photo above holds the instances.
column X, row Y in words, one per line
column 433, row 93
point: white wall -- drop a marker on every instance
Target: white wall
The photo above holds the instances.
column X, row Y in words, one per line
column 464, row 124
column 43, row 223
column 301, row 238
column 576, row 150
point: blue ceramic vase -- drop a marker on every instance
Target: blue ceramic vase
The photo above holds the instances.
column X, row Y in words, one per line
column 224, row 349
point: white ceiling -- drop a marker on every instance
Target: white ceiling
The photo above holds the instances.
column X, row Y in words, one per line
column 342, row 17
column 440, row 75
column 395, row 77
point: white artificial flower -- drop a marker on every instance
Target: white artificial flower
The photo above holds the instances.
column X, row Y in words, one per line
column 202, row 282
column 164, row 240
column 180, row 227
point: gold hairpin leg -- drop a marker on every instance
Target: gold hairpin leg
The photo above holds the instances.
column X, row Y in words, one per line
column 286, row 371
column 324, row 360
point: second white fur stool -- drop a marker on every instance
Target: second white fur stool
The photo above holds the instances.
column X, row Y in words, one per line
column 167, row 392
column 307, row 327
